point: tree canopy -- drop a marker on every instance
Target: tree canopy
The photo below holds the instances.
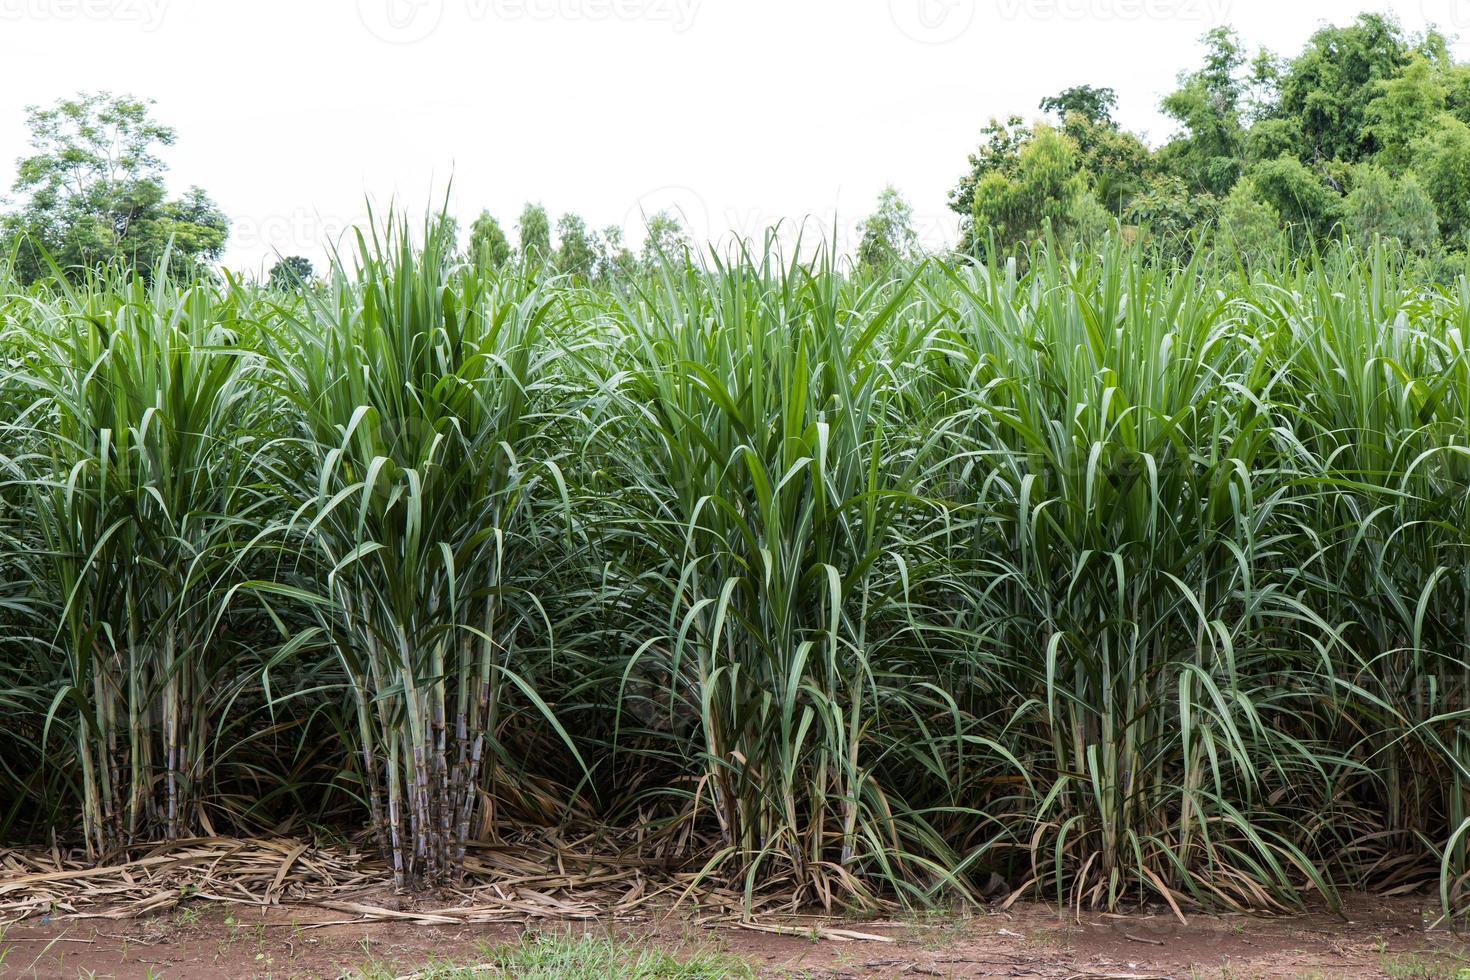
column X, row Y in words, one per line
column 290, row 272
column 94, row 194
column 1365, row 131
column 488, row 243
column 887, row 235
column 534, row 229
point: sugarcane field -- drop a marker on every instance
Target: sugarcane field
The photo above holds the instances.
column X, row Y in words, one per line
column 808, row 564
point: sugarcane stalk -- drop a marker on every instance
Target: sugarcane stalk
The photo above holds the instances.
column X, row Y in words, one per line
column 395, row 825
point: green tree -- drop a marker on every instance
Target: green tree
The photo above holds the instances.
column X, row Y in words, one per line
column 1045, row 190
column 1404, row 111
column 887, row 235
column 193, row 226
column 1207, row 105
column 94, row 192
column 1096, row 105
column 1262, row 89
column 1086, row 219
column 290, row 272
column 576, row 252
column 1442, row 166
column 1329, row 86
column 1399, row 208
column 999, row 153
column 488, row 243
column 1248, row 225
column 665, row 240
column 614, row 259
column 1306, row 204
column 1456, row 81
column 1270, row 138
column 1168, row 210
column 1116, row 163
column 534, row 231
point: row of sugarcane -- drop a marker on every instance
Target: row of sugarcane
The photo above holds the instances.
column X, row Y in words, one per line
column 1112, row 579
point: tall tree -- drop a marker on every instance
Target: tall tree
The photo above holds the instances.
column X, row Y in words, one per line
column 534, row 230
column 614, row 259
column 1116, row 163
column 1398, row 208
column 1442, row 168
column 1248, row 225
column 1047, row 189
column 1306, row 202
column 665, row 239
column 1000, row 154
column 1329, row 86
column 1405, row 109
column 95, row 195
column 290, row 272
column 1092, row 103
column 488, row 242
column 888, row 233
column 1207, row 106
column 576, row 252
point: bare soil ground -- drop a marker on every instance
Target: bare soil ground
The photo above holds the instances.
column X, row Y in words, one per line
column 200, row 940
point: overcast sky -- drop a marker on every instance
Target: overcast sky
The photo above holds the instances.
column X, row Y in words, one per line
column 738, row 113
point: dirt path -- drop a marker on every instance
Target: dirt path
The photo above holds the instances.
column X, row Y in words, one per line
column 1381, row 938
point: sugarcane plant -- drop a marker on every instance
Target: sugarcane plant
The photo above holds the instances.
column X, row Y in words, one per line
column 769, row 476
column 129, row 451
column 417, row 391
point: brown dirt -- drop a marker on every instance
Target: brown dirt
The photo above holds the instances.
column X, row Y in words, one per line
column 204, row 940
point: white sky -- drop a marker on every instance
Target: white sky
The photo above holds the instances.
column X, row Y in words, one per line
column 739, row 113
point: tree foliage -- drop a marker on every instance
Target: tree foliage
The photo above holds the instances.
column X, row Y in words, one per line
column 665, row 239
column 1047, row 188
column 576, row 253
column 1207, row 107
column 534, row 230
column 1096, row 105
column 1442, row 163
column 1365, row 131
column 1383, row 206
column 290, row 272
column 1330, row 85
column 488, row 243
column 887, row 235
column 94, row 193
